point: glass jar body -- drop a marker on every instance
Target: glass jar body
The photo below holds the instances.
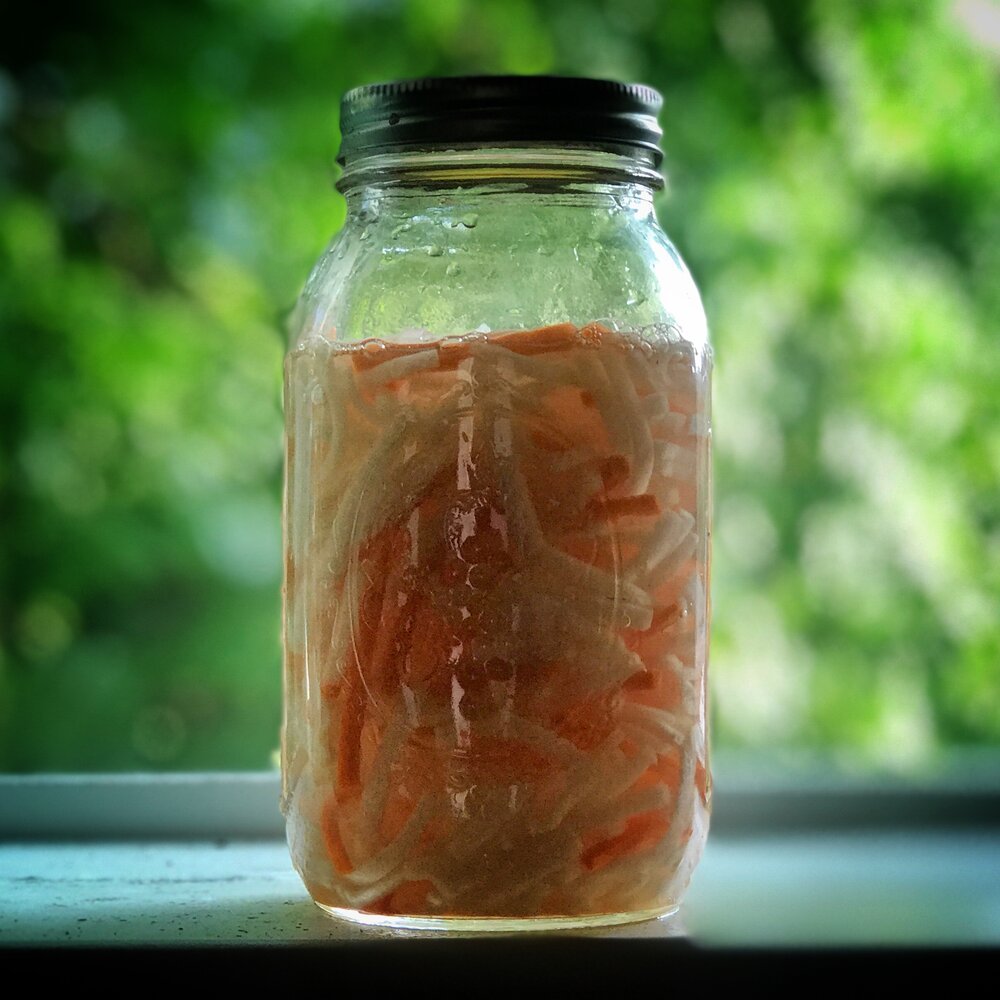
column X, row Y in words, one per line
column 496, row 548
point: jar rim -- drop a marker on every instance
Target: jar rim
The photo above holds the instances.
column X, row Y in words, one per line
column 522, row 166
column 435, row 113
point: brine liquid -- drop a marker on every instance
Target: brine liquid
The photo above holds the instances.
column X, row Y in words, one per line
column 496, row 624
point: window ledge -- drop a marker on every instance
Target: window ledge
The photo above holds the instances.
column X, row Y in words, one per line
column 193, row 860
column 244, row 805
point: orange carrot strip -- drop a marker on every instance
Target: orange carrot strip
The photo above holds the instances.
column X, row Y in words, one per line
column 641, row 831
column 352, row 720
column 438, row 829
column 588, row 723
column 564, row 408
column 331, row 837
column 430, row 644
column 665, row 617
column 557, row 337
column 656, row 687
column 684, row 401
column 371, row 737
column 549, row 442
column 665, row 770
column 641, row 680
column 406, row 898
column 416, row 770
column 662, row 637
column 591, row 551
column 614, row 471
column 641, row 505
column 365, row 359
column 451, row 353
column 668, row 593
column 668, row 767
column 495, row 760
column 399, row 807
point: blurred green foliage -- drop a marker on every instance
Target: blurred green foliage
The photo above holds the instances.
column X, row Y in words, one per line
column 165, row 187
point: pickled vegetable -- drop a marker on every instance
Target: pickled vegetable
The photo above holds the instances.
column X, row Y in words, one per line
column 495, row 604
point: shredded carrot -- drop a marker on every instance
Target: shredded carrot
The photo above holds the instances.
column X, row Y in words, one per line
column 665, row 770
column 651, row 647
column 588, row 723
column 418, row 769
column 373, row 354
column 452, row 353
column 332, row 839
column 407, row 897
column 564, row 411
column 641, row 831
column 592, row 551
column 501, row 761
column 614, row 471
column 557, row 337
column 352, row 719
column 448, row 690
column 399, row 807
column 368, row 748
column 430, row 646
column 668, row 767
column 667, row 595
column 436, row 831
column 642, row 505
column 549, row 442
column 641, row 680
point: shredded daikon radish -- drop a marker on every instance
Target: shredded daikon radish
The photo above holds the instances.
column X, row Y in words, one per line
column 495, row 583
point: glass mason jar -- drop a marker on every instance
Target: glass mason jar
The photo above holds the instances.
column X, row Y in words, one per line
column 497, row 518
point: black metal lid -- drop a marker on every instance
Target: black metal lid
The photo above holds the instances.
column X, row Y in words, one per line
column 449, row 112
